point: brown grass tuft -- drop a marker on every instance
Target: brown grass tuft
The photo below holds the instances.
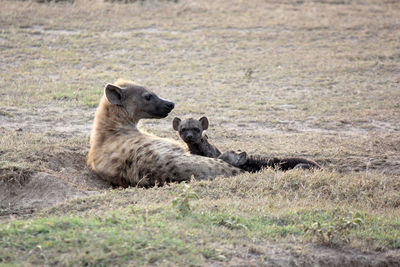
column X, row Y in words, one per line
column 360, row 190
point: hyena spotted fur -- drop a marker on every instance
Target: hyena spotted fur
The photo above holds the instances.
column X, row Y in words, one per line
column 127, row 156
column 255, row 163
column 192, row 133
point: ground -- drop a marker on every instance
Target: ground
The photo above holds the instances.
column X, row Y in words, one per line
column 319, row 79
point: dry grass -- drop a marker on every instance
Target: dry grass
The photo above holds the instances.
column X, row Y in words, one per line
column 273, row 191
column 284, row 78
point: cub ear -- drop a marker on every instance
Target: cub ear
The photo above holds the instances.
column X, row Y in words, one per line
column 204, row 122
column 242, row 158
column 175, row 123
column 114, row 94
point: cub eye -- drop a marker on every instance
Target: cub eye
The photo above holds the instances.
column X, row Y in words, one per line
column 148, row 97
column 197, row 130
column 183, row 130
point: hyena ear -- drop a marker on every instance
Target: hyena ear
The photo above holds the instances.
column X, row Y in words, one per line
column 242, row 158
column 175, row 123
column 204, row 122
column 114, row 94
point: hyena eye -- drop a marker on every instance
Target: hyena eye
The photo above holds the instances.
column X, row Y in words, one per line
column 197, row 130
column 148, row 97
column 183, row 130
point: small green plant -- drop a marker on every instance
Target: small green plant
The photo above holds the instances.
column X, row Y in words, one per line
column 211, row 253
column 232, row 223
column 334, row 232
column 181, row 202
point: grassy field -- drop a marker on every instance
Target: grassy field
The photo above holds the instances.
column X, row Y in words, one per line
column 313, row 78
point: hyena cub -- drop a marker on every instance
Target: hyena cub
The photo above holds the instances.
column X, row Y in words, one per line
column 191, row 132
column 255, row 163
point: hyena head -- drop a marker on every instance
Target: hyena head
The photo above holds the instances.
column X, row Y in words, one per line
column 139, row 102
column 190, row 130
column 235, row 158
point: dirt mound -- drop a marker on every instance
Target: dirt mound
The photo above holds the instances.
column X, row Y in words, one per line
column 70, row 166
column 38, row 191
column 62, row 176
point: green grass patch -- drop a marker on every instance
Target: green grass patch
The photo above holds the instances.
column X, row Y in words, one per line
column 161, row 234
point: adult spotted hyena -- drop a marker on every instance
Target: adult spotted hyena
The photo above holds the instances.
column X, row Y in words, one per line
column 124, row 155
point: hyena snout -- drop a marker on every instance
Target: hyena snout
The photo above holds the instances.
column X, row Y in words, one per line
column 162, row 108
column 188, row 138
column 192, row 136
column 167, row 106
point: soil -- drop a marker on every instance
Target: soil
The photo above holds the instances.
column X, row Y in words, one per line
column 64, row 175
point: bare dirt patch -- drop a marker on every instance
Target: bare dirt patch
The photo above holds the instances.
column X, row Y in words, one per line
column 62, row 176
column 41, row 190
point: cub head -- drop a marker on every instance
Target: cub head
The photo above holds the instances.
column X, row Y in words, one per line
column 235, row 158
column 138, row 101
column 190, row 130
